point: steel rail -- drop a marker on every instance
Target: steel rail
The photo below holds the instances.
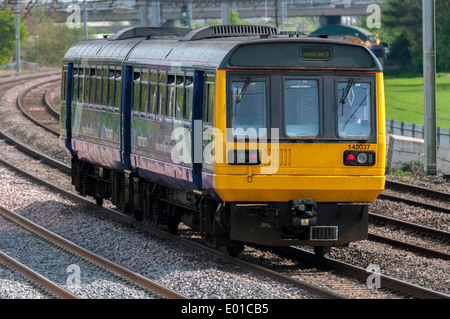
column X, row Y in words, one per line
column 411, row 247
column 35, row 154
column 415, row 227
column 362, row 274
column 200, row 247
column 321, row 292
column 130, row 277
column 14, row 82
column 132, row 221
column 19, row 103
column 324, row 293
column 418, row 189
column 41, row 281
column 414, row 203
column 47, row 103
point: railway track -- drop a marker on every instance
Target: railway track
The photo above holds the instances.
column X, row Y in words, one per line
column 51, row 100
column 267, row 272
column 186, row 242
column 34, row 279
column 115, row 271
column 130, row 220
column 407, row 288
column 375, row 218
column 40, row 113
column 11, row 81
column 423, row 197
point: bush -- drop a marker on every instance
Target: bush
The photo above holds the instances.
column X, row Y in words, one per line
column 412, row 169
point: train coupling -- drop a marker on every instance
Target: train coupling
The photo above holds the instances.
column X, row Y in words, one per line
column 304, row 212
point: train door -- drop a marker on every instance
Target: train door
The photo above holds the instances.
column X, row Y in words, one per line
column 197, row 129
column 66, row 105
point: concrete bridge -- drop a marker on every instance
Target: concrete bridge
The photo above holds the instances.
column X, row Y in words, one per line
column 155, row 13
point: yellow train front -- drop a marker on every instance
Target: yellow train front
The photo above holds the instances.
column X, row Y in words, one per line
column 245, row 133
column 306, row 141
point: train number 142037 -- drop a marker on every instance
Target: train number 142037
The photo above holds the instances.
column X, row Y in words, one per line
column 359, row 147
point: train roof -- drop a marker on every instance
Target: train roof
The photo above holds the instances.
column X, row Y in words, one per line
column 223, row 47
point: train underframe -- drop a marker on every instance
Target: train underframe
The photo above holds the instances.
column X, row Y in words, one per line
column 224, row 224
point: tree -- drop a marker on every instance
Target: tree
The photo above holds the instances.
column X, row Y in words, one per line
column 234, row 18
column 49, row 41
column 443, row 46
column 404, row 18
column 8, row 36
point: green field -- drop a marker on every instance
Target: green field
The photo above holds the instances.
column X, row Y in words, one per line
column 404, row 99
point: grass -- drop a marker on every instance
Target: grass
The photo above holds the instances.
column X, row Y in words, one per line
column 404, row 99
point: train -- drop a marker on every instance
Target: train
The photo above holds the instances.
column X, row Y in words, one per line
column 247, row 134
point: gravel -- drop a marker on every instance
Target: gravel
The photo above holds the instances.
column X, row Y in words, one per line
column 15, row 286
column 191, row 273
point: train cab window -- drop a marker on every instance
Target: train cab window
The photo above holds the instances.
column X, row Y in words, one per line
column 301, row 109
column 162, row 94
column 171, row 95
column 188, row 97
column 136, row 93
column 354, row 111
column 247, row 112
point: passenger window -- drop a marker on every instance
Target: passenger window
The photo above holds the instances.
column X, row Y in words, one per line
column 81, row 85
column 92, row 81
column 171, row 89
column 75, row 85
column 188, row 97
column 301, row 109
column 162, row 94
column 152, row 93
column 179, row 97
column 354, row 109
column 248, row 113
column 112, row 92
column 64, row 84
column 144, row 93
column 98, row 87
column 105, row 88
column 86, row 86
column 209, row 100
column 136, row 93
column 118, row 80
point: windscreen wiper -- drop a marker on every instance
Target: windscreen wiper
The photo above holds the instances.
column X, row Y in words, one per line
column 347, row 91
column 244, row 88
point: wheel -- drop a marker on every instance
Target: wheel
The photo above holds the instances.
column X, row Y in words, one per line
column 319, row 251
column 99, row 200
column 173, row 226
column 234, row 250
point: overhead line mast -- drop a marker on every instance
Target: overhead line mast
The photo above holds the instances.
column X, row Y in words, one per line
column 429, row 83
